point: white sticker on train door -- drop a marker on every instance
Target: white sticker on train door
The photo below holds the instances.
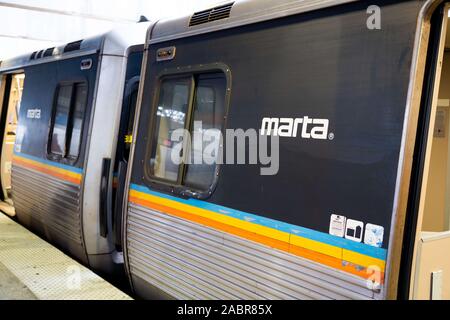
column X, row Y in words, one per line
column 354, row 230
column 337, row 225
column 374, row 235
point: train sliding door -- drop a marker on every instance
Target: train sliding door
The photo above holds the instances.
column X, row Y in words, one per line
column 12, row 87
column 426, row 261
column 125, row 139
column 122, row 156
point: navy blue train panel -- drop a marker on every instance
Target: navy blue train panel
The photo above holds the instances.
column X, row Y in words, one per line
column 324, row 64
column 39, row 94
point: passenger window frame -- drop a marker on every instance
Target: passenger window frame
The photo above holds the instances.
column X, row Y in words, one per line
column 66, row 159
column 178, row 188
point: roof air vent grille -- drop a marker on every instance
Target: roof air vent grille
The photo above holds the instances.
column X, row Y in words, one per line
column 33, row 55
column 73, row 46
column 216, row 13
column 48, row 52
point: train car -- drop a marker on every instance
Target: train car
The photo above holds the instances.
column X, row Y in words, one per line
column 356, row 94
column 64, row 120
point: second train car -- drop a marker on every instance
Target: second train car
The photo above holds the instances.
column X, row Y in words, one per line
column 65, row 118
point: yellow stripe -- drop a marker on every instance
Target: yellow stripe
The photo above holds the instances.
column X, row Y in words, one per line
column 316, row 246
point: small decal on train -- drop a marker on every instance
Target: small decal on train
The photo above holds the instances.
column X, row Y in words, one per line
column 34, row 113
column 128, row 138
column 374, row 235
column 337, row 225
column 305, row 127
column 354, row 230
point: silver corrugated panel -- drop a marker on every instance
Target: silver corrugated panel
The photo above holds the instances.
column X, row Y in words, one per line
column 191, row 261
column 52, row 202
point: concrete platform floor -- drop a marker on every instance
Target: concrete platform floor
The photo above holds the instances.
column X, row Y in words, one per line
column 12, row 288
column 31, row 268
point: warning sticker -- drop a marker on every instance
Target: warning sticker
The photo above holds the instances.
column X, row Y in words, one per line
column 374, row 235
column 354, row 230
column 337, row 225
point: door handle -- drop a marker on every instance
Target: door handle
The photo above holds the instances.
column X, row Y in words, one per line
column 104, row 188
column 121, row 177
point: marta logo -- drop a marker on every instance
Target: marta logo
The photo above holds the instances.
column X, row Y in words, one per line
column 34, row 113
column 306, row 128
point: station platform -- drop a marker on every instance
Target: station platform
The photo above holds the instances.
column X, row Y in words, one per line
column 32, row 269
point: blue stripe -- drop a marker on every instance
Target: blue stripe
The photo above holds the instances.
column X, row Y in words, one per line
column 379, row 253
column 50, row 163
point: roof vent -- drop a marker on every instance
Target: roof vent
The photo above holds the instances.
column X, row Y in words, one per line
column 33, row 55
column 216, row 13
column 73, row 46
column 42, row 53
column 48, row 52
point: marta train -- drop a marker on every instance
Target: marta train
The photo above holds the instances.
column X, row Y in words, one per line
column 354, row 95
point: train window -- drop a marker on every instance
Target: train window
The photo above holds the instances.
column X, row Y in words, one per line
column 61, row 119
column 77, row 118
column 65, row 138
column 197, row 105
column 209, row 110
column 170, row 115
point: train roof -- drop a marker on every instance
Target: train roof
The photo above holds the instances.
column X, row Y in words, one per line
column 114, row 42
column 231, row 14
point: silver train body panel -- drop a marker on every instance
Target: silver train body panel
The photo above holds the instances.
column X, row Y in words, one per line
column 190, row 261
column 56, row 207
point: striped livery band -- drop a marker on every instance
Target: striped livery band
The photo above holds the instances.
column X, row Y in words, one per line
column 54, row 169
column 339, row 253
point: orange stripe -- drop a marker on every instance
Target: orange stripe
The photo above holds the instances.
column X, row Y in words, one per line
column 331, row 262
column 47, row 171
column 298, row 251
